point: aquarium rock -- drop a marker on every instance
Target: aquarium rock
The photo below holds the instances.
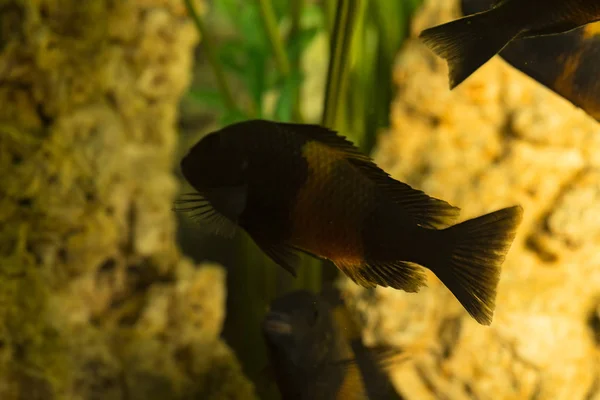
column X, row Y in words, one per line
column 96, row 301
column 497, row 140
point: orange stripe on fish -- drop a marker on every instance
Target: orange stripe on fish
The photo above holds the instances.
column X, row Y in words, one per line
column 591, row 30
column 565, row 85
column 321, row 222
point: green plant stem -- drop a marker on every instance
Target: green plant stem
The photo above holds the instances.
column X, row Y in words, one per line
column 340, row 47
column 281, row 58
column 296, row 11
column 358, row 102
column 329, row 7
column 251, row 287
column 270, row 22
column 209, row 47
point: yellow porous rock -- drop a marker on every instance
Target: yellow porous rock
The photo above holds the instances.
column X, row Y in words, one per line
column 498, row 139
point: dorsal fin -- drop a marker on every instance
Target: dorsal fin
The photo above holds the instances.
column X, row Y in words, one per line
column 328, row 137
column 282, row 254
column 426, row 210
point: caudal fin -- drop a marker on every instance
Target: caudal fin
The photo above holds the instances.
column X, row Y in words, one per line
column 471, row 266
column 468, row 43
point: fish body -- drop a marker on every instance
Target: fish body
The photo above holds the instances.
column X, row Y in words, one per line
column 568, row 64
column 469, row 42
column 302, row 188
column 312, row 358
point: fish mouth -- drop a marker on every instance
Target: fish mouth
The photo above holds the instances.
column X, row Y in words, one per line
column 277, row 323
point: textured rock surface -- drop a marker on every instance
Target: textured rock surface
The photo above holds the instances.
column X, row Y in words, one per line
column 95, row 300
column 496, row 140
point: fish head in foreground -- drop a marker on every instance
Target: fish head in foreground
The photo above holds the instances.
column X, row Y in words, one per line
column 217, row 168
column 299, row 331
column 216, row 161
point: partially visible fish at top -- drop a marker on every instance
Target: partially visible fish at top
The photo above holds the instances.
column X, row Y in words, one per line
column 469, row 42
column 311, row 357
column 568, row 64
column 300, row 188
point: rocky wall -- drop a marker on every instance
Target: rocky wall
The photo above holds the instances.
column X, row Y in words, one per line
column 95, row 300
column 498, row 139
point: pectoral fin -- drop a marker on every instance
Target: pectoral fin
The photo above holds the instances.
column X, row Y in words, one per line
column 284, row 255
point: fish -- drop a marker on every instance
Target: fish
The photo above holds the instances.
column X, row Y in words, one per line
column 312, row 358
column 469, row 42
column 304, row 189
column 568, row 64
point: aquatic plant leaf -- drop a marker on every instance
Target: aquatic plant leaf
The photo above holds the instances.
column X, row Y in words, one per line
column 285, row 103
column 298, row 43
column 231, row 117
column 207, row 97
column 234, row 56
column 313, row 15
column 413, row 5
column 227, row 8
column 392, row 19
column 281, row 8
column 249, row 23
column 255, row 77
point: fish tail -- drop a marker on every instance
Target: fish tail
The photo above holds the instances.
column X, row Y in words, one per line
column 470, row 267
column 468, row 43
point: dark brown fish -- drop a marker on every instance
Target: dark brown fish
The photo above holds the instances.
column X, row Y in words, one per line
column 568, row 64
column 469, row 42
column 313, row 359
column 302, row 188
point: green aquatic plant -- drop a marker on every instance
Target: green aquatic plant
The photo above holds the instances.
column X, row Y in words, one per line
column 372, row 32
column 263, row 61
column 209, row 48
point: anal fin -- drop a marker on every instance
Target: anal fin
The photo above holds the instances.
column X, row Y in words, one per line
column 401, row 275
column 282, row 254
